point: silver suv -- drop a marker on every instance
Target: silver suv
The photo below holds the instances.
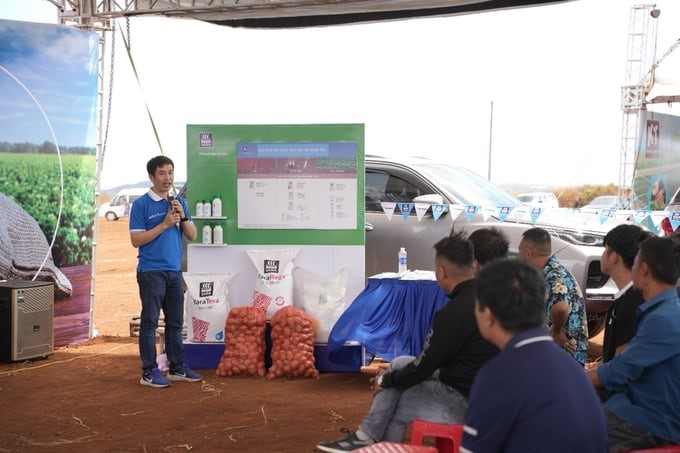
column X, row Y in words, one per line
column 426, row 181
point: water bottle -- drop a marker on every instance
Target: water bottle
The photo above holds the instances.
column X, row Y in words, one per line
column 199, row 209
column 402, row 260
column 206, row 237
column 217, row 207
column 217, row 234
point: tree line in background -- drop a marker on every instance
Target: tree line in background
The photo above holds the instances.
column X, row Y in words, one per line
column 575, row 197
column 45, row 148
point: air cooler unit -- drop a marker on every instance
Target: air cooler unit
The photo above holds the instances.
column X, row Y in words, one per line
column 26, row 317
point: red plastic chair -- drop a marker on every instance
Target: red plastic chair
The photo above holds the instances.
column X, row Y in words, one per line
column 394, row 447
column 447, row 437
column 664, row 449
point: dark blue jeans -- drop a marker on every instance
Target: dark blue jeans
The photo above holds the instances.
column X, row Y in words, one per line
column 161, row 290
column 625, row 436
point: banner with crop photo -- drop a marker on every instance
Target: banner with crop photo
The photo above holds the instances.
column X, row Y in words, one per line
column 48, row 137
column 657, row 173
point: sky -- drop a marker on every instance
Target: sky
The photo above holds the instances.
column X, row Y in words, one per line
column 425, row 87
column 54, row 70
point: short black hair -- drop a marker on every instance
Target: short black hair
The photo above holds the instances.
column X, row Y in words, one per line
column 514, row 291
column 625, row 240
column 662, row 254
column 489, row 243
column 540, row 238
column 158, row 161
column 456, row 249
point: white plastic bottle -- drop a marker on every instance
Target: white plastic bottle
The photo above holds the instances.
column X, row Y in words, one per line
column 403, row 267
column 206, row 237
column 207, row 209
column 217, row 207
column 199, row 209
column 217, row 235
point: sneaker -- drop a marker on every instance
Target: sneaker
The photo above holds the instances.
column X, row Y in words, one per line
column 154, row 378
column 349, row 443
column 184, row 374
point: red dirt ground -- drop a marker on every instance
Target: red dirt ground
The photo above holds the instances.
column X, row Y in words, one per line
column 87, row 397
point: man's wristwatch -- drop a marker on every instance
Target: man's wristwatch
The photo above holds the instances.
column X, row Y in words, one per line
column 184, row 219
column 379, row 380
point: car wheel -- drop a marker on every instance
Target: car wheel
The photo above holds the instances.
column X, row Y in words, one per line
column 111, row 216
column 596, row 323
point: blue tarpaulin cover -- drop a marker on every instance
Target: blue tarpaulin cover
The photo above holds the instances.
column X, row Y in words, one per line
column 390, row 317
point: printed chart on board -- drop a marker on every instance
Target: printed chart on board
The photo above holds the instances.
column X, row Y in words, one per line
column 297, row 185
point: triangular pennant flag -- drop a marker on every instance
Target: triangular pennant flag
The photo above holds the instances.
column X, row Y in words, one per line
column 503, row 212
column 649, row 223
column 388, row 208
column 405, row 209
column 535, row 214
column 486, row 213
column 456, row 210
column 421, row 209
column 438, row 210
column 470, row 212
column 639, row 215
column 674, row 217
column 606, row 214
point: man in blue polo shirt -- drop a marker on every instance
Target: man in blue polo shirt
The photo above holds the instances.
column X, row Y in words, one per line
column 157, row 223
column 644, row 379
column 532, row 397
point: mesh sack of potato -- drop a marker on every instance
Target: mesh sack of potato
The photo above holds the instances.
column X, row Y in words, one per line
column 292, row 345
column 244, row 343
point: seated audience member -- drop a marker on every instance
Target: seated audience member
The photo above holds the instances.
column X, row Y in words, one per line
column 620, row 247
column 488, row 244
column 565, row 306
column 643, row 410
column 433, row 386
column 531, row 397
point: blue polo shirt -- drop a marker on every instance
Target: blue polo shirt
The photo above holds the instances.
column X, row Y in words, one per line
column 164, row 253
column 645, row 377
column 533, row 397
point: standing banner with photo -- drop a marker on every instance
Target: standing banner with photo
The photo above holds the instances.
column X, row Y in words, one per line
column 657, row 168
column 48, row 138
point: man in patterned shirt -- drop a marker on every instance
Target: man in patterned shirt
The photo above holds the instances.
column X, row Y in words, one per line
column 565, row 306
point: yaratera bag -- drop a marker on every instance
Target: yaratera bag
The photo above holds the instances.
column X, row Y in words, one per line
column 274, row 281
column 207, row 306
column 322, row 298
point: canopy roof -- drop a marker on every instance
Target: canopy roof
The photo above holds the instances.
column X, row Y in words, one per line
column 302, row 13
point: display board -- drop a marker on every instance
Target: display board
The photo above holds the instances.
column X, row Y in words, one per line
column 280, row 184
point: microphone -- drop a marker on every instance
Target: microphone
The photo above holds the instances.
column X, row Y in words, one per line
column 171, row 198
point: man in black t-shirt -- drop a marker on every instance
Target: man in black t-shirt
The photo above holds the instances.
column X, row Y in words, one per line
column 621, row 245
column 435, row 385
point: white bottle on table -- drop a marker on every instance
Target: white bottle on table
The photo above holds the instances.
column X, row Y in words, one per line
column 207, row 209
column 403, row 267
column 199, row 209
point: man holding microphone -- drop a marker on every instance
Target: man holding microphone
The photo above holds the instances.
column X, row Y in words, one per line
column 158, row 221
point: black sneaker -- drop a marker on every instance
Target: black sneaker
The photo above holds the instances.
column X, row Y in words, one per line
column 349, row 443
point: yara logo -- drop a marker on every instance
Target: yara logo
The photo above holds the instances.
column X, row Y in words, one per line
column 206, row 289
column 271, row 266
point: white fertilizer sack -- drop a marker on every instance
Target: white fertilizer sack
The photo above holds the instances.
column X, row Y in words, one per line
column 207, row 306
column 274, row 281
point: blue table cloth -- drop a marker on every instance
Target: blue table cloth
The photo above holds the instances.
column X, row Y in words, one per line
column 390, row 317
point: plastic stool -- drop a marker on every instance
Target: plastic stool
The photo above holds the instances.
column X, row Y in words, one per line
column 394, row 447
column 664, row 449
column 447, row 437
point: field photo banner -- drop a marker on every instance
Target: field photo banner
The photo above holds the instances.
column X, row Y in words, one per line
column 48, row 137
